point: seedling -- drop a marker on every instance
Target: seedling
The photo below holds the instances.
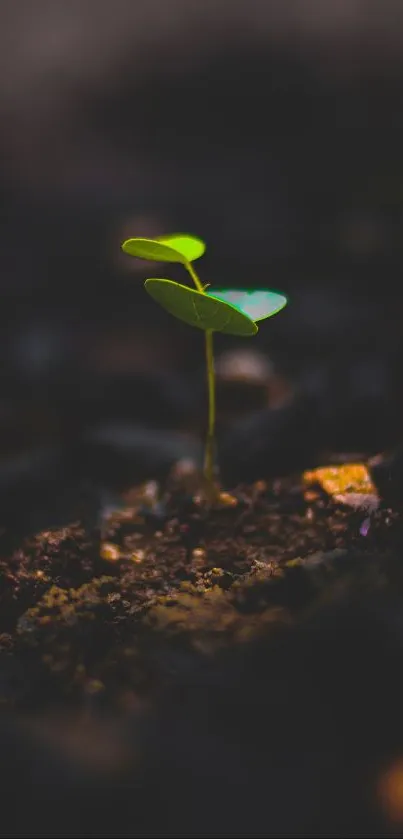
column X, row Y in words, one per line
column 233, row 311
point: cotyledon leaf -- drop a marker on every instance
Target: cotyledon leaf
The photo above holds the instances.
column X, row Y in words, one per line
column 179, row 247
column 190, row 247
column 258, row 304
column 199, row 309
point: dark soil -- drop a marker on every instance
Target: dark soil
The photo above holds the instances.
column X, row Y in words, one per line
column 79, row 611
column 190, row 653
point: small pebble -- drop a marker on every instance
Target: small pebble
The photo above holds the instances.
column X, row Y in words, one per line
column 198, row 554
column 227, row 500
column 310, row 495
column 109, row 552
column 358, row 501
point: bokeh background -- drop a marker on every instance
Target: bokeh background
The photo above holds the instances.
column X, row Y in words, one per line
column 271, row 128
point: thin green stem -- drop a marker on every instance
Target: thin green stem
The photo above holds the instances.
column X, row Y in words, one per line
column 209, row 459
column 195, row 278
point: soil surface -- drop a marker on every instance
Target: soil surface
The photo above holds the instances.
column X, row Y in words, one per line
column 81, row 609
column 205, row 650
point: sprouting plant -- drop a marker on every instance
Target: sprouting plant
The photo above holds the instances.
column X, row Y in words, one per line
column 233, row 311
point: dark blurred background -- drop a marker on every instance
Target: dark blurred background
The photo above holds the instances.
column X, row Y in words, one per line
column 271, row 128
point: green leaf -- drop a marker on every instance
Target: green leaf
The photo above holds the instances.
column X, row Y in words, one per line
column 198, row 309
column 256, row 304
column 190, row 247
column 176, row 248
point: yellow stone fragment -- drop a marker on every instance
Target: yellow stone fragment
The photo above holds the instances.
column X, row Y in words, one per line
column 110, row 552
column 339, row 480
column 227, row 500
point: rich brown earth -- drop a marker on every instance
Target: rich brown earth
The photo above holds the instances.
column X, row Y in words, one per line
column 207, row 672
column 79, row 615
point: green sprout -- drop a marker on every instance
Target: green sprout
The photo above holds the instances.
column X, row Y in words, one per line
column 233, row 311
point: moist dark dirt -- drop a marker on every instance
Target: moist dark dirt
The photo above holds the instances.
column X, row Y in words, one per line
column 121, row 617
column 195, row 672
